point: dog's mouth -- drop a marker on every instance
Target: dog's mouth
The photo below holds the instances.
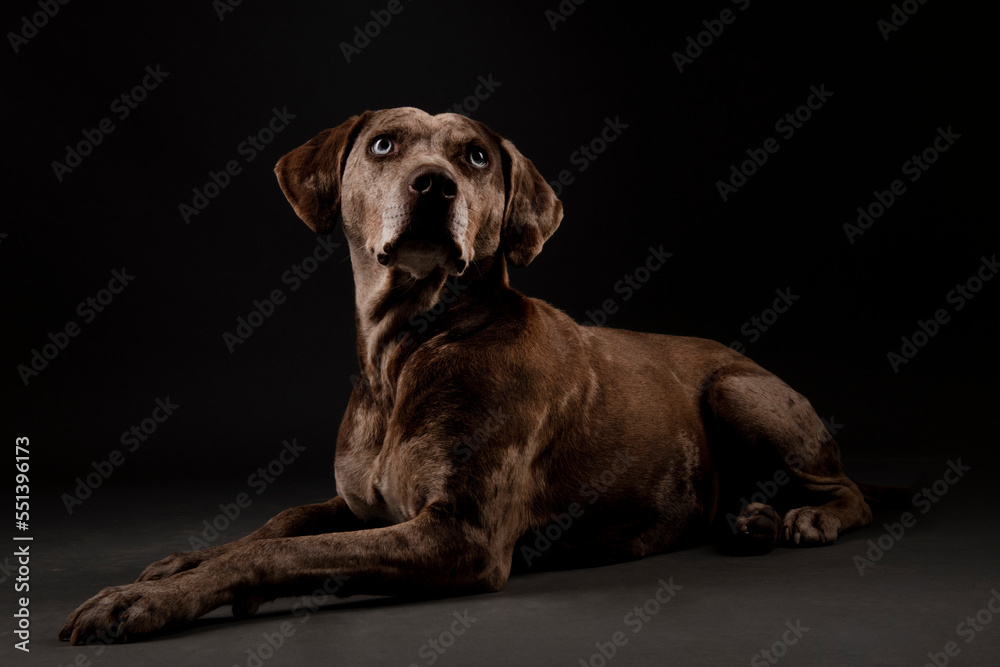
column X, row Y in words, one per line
column 422, row 256
column 424, row 244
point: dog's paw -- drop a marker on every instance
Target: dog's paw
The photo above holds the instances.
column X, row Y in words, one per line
column 756, row 529
column 121, row 613
column 175, row 563
column 810, row 526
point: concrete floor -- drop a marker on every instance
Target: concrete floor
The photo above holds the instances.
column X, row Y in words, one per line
column 802, row 606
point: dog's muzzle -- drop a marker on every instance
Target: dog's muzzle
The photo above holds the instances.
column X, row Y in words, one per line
column 430, row 233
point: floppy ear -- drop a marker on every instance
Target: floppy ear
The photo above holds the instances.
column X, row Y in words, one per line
column 310, row 175
column 532, row 212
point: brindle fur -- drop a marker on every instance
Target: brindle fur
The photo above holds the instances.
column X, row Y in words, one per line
column 679, row 428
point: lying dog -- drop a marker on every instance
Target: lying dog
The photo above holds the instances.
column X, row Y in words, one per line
column 499, row 415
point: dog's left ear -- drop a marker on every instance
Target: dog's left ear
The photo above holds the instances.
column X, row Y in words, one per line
column 310, row 175
column 532, row 211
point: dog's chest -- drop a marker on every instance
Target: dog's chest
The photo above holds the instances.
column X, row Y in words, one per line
column 377, row 479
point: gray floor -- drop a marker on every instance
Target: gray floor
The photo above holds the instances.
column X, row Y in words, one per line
column 913, row 601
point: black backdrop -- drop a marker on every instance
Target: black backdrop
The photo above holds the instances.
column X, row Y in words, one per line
column 223, row 74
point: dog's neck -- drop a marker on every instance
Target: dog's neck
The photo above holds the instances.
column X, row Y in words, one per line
column 395, row 312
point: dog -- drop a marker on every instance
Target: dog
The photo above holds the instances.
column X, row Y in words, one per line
column 496, row 416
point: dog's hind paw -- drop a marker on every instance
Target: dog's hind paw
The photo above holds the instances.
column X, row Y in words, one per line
column 810, row 526
column 756, row 529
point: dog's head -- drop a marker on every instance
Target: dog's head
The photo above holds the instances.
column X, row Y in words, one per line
column 419, row 193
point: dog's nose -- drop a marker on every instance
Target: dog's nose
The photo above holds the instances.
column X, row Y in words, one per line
column 431, row 182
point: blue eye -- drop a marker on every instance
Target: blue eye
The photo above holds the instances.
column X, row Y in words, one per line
column 382, row 146
column 477, row 157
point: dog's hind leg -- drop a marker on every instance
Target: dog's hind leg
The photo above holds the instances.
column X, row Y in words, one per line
column 764, row 420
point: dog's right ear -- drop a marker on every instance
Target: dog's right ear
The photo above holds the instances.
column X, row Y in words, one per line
column 310, row 175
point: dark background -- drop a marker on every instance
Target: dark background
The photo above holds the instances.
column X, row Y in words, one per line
column 654, row 185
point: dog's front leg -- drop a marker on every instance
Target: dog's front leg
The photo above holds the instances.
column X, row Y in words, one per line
column 333, row 516
column 433, row 553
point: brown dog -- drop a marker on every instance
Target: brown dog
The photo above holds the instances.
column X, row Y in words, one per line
column 479, row 427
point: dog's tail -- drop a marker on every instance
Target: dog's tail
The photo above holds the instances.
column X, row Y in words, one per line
column 880, row 497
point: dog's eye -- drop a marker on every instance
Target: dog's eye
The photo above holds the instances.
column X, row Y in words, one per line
column 477, row 157
column 382, row 146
